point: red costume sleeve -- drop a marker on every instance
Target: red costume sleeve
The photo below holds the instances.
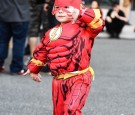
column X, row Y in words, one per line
column 39, row 57
column 93, row 19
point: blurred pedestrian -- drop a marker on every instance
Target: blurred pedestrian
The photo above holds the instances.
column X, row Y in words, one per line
column 40, row 13
column 125, row 6
column 115, row 20
column 36, row 12
column 14, row 17
column 95, row 5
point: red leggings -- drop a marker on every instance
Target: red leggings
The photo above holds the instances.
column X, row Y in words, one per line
column 69, row 95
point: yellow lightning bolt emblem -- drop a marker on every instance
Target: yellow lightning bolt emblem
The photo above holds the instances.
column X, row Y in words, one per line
column 55, row 33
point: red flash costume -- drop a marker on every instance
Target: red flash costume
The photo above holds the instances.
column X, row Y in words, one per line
column 67, row 49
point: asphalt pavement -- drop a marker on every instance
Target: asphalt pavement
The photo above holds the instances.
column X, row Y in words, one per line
column 112, row 91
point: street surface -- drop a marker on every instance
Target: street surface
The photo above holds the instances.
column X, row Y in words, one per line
column 112, row 92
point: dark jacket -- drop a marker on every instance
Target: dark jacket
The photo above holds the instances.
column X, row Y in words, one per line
column 14, row 10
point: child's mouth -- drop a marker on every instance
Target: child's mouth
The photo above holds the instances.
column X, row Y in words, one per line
column 61, row 16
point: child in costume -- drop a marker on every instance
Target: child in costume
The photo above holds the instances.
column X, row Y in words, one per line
column 66, row 48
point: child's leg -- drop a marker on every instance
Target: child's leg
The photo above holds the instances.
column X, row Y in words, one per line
column 78, row 89
column 58, row 97
column 69, row 95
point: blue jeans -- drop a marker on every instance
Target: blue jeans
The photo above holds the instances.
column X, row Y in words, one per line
column 17, row 31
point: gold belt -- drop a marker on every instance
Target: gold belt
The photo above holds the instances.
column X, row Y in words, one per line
column 71, row 74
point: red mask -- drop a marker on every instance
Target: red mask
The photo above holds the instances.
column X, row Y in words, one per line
column 63, row 3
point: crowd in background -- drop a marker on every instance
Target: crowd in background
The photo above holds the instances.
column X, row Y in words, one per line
column 32, row 19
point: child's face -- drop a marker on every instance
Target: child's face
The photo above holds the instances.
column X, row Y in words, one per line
column 62, row 14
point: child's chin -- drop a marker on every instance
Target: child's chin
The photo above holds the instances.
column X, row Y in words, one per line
column 67, row 21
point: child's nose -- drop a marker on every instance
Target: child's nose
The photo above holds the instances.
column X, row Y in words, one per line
column 60, row 10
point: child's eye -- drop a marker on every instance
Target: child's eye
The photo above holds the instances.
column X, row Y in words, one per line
column 56, row 7
column 66, row 7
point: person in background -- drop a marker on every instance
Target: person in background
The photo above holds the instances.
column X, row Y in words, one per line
column 95, row 5
column 36, row 11
column 115, row 21
column 14, row 19
column 66, row 48
column 40, row 13
column 125, row 6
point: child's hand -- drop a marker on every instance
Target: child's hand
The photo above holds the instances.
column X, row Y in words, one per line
column 74, row 13
column 35, row 77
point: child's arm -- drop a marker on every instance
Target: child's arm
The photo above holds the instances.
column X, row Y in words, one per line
column 39, row 58
column 38, row 61
column 92, row 17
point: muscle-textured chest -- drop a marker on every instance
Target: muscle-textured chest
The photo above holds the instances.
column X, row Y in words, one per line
column 70, row 50
column 64, row 45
